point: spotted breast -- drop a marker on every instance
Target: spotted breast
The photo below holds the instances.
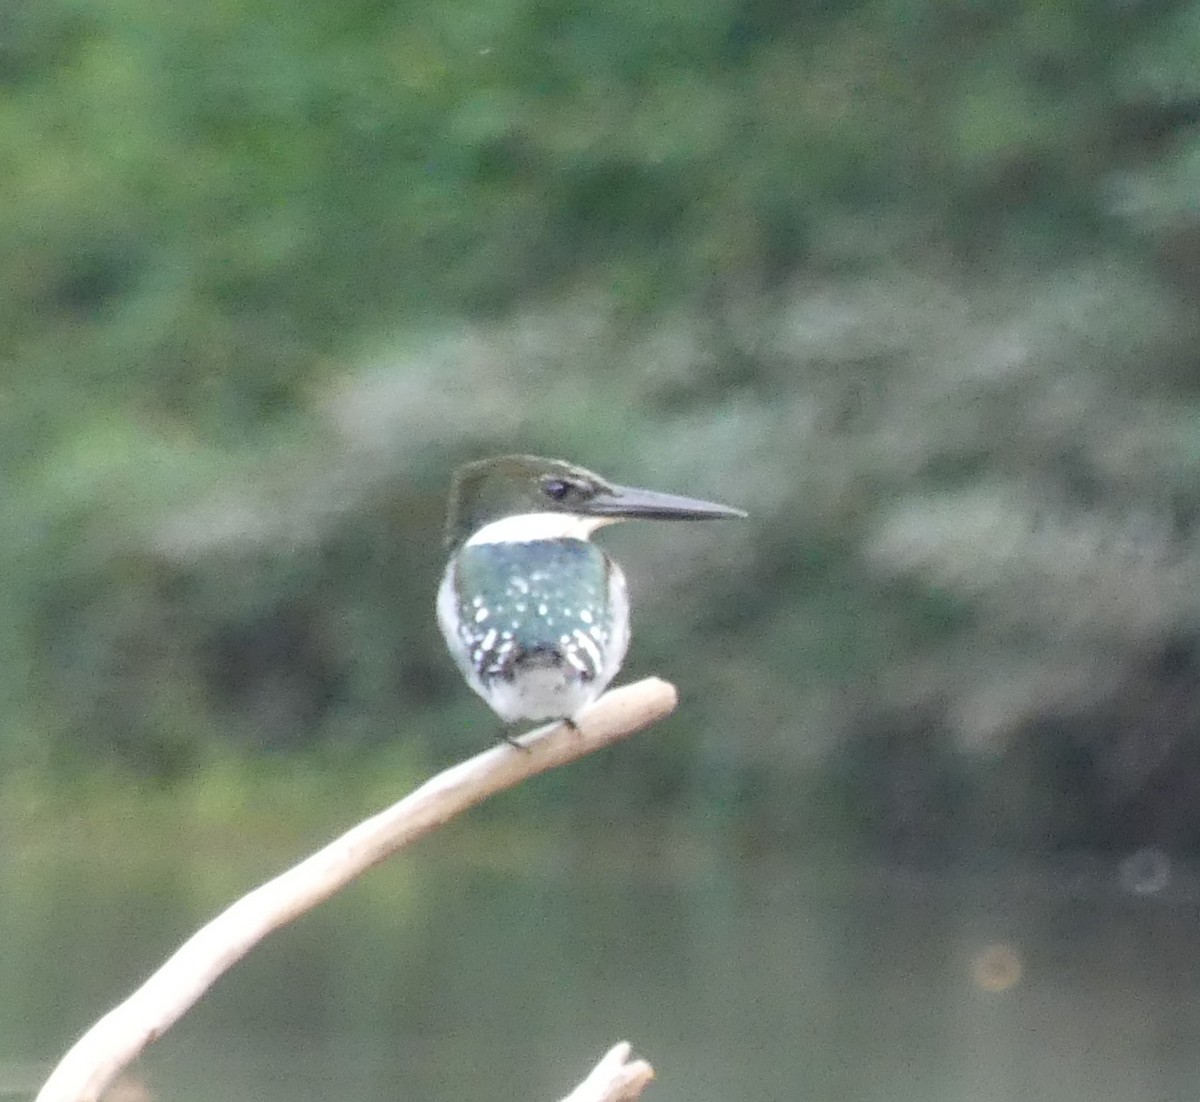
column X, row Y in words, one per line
column 543, row 624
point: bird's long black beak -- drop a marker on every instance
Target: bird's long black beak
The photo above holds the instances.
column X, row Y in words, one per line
column 628, row 502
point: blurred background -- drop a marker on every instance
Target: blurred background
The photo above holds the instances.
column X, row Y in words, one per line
column 915, row 283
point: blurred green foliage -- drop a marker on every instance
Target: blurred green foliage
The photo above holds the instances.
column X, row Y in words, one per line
column 915, row 283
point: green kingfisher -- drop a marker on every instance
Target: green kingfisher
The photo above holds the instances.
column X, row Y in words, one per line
column 535, row 615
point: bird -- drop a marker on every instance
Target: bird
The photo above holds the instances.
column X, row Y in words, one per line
column 535, row 615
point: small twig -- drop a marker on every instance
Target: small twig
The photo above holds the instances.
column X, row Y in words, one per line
column 117, row 1038
column 615, row 1079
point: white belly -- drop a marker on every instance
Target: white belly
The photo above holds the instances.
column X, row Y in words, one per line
column 541, row 693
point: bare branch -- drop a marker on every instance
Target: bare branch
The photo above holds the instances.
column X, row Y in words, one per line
column 615, row 1079
column 117, row 1038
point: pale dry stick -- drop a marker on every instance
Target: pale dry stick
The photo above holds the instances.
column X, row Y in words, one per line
column 117, row 1038
column 616, row 1078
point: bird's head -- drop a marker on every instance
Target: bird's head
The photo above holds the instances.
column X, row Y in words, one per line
column 524, row 497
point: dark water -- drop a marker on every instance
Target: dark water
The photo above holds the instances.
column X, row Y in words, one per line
column 436, row 979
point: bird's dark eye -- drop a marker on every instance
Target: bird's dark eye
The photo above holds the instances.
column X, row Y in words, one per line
column 556, row 488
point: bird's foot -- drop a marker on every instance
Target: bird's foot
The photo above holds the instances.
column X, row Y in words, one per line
column 512, row 741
